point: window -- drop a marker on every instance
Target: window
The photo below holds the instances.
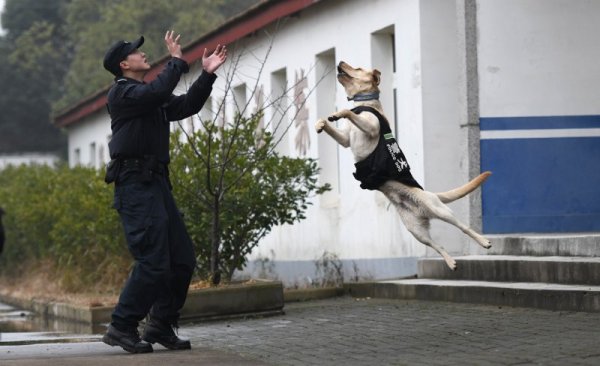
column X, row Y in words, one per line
column 101, row 159
column 239, row 99
column 383, row 58
column 93, row 154
column 77, row 156
column 206, row 113
column 325, row 70
column 279, row 121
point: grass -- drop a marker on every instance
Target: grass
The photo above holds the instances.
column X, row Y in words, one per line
column 40, row 282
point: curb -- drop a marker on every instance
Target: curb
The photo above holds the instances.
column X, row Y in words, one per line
column 76, row 313
column 297, row 295
column 554, row 297
column 263, row 298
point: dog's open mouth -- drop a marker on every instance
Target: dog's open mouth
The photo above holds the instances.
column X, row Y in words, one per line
column 341, row 72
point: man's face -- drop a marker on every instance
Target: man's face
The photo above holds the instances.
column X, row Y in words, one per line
column 135, row 62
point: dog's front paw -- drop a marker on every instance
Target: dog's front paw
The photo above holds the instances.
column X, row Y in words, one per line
column 320, row 125
column 338, row 115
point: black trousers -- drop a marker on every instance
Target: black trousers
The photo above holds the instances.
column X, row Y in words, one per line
column 163, row 251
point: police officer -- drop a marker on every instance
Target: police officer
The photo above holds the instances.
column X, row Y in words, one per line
column 139, row 149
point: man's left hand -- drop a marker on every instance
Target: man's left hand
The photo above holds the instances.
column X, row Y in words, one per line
column 211, row 63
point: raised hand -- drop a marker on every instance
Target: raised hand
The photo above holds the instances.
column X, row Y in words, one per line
column 211, row 63
column 173, row 44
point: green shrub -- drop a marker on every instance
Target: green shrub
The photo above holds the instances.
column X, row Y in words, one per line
column 233, row 189
column 65, row 216
column 24, row 195
column 87, row 236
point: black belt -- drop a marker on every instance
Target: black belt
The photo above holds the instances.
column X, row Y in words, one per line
column 142, row 164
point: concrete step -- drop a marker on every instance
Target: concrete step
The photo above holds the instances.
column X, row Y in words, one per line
column 578, row 245
column 519, row 294
column 508, row 268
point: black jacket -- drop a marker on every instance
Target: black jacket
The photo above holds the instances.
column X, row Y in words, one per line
column 386, row 162
column 141, row 112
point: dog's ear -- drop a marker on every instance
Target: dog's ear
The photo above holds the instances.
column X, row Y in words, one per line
column 376, row 76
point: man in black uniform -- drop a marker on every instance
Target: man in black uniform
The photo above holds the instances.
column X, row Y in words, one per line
column 155, row 232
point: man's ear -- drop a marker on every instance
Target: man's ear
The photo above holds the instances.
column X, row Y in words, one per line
column 124, row 65
column 376, row 76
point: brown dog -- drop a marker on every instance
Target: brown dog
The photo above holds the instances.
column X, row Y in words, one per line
column 381, row 165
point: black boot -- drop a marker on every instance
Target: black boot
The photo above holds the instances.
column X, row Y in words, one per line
column 128, row 340
column 158, row 331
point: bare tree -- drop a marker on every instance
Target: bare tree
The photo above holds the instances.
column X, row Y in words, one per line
column 227, row 159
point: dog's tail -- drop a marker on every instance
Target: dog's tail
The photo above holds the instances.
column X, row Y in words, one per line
column 462, row 191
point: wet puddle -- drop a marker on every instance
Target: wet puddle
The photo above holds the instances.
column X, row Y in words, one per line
column 18, row 327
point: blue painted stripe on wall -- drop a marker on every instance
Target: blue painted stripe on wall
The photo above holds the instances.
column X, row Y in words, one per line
column 540, row 133
column 541, row 185
column 533, row 123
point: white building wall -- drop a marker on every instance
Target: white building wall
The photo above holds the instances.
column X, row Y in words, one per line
column 358, row 226
column 93, row 131
column 28, row 159
column 441, row 123
column 530, row 63
column 540, row 116
column 539, row 57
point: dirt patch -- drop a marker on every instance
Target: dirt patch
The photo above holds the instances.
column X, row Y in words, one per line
column 200, row 284
column 39, row 283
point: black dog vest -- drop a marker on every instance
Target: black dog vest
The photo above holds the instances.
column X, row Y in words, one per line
column 386, row 162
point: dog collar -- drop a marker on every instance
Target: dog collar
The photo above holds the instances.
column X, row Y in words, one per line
column 363, row 97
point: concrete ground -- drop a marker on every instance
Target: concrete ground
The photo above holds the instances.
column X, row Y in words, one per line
column 347, row 331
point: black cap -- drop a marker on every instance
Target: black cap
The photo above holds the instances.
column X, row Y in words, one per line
column 119, row 52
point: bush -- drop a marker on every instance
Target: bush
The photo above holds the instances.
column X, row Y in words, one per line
column 24, row 194
column 65, row 216
column 87, row 236
column 233, row 189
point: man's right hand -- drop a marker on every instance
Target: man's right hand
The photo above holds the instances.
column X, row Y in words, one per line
column 173, row 44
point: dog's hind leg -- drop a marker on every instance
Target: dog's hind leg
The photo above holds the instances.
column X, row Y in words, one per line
column 408, row 203
column 444, row 213
column 419, row 228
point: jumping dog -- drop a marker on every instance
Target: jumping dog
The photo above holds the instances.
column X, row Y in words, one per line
column 381, row 165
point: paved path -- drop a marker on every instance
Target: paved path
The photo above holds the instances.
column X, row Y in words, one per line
column 346, row 331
